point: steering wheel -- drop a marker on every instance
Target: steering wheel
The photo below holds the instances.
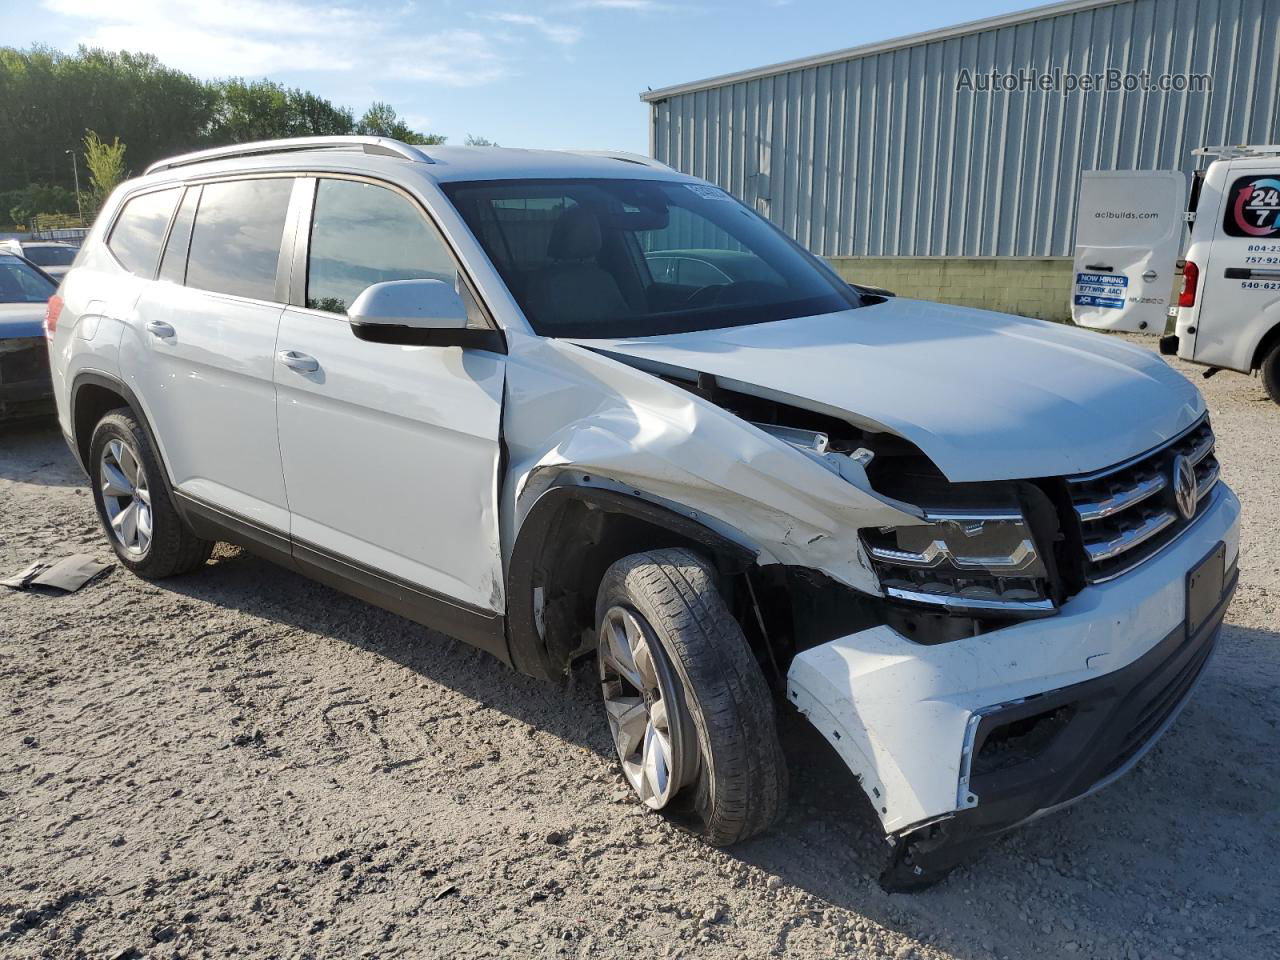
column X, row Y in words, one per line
column 705, row 296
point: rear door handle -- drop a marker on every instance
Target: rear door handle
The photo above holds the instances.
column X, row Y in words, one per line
column 299, row 361
column 160, row 329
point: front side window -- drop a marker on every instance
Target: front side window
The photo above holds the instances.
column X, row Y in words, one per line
column 363, row 234
column 20, row 283
column 634, row 258
column 139, row 230
column 235, row 242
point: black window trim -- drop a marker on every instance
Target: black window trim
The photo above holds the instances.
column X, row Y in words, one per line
column 168, row 233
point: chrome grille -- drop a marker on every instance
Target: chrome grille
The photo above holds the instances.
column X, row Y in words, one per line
column 1127, row 513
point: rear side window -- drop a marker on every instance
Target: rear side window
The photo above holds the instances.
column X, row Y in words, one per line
column 139, row 230
column 235, row 243
column 364, row 234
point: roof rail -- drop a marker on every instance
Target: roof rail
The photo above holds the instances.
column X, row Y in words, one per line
column 625, row 157
column 1239, row 151
column 381, row 146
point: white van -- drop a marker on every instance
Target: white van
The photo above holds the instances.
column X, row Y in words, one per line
column 1128, row 238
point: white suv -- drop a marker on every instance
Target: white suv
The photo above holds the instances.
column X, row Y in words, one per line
column 986, row 556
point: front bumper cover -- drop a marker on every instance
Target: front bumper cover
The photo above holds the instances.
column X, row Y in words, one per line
column 1114, row 720
column 904, row 716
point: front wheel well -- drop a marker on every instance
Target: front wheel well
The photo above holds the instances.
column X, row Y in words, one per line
column 569, row 538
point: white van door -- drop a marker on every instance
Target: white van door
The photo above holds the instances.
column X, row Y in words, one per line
column 1128, row 239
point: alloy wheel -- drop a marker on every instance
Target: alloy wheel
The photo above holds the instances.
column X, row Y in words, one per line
column 126, row 497
column 647, row 717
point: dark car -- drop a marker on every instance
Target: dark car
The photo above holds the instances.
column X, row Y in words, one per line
column 25, row 387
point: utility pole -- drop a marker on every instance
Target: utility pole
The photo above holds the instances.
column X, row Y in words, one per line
column 75, row 173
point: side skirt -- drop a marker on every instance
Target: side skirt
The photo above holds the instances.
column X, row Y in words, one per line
column 480, row 628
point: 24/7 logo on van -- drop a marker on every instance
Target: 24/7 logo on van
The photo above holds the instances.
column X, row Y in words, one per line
column 1253, row 207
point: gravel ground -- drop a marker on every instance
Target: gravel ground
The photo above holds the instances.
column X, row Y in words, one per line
column 243, row 762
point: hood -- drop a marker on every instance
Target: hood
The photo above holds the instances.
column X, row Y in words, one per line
column 21, row 320
column 986, row 396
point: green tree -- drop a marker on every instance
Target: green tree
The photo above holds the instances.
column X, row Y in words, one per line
column 105, row 163
column 477, row 141
column 381, row 120
column 49, row 99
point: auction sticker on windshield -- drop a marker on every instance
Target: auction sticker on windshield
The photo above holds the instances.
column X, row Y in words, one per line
column 1100, row 290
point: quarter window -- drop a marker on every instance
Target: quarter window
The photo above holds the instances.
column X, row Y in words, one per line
column 235, row 243
column 139, row 230
column 364, row 234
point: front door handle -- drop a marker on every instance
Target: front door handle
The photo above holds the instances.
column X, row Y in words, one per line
column 160, row 329
column 299, row 361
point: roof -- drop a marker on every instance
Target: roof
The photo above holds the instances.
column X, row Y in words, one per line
column 882, row 46
column 440, row 163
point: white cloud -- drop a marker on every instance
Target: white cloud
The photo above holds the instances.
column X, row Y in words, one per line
column 218, row 38
column 561, row 33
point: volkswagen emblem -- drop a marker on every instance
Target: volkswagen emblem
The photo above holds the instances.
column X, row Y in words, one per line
column 1186, row 493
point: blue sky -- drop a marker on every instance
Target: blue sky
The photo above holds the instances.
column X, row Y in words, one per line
column 537, row 73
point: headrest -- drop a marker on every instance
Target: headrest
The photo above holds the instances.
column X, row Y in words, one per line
column 575, row 235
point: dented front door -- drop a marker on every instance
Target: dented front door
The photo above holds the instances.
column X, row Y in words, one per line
column 1128, row 238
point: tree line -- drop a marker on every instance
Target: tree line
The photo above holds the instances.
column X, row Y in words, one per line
column 51, row 100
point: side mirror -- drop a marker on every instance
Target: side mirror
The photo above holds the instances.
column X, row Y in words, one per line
column 417, row 313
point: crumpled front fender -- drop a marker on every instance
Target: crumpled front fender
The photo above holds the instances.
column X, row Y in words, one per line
column 569, row 409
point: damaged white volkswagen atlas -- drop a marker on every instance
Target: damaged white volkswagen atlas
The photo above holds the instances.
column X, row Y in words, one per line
column 563, row 404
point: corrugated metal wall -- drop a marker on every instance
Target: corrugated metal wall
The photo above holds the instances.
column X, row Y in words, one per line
column 882, row 156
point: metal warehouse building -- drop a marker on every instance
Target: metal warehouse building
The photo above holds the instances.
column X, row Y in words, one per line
column 909, row 165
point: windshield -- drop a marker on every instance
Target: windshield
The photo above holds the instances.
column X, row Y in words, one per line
column 636, row 258
column 50, row 256
column 21, row 283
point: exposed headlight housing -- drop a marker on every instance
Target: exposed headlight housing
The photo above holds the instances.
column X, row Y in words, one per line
column 979, row 562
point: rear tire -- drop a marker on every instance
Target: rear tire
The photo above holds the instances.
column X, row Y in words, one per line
column 1271, row 373
column 716, row 722
column 133, row 502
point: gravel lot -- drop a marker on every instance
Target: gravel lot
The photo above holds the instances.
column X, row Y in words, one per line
column 242, row 762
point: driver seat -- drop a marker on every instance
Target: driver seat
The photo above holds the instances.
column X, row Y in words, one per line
column 574, row 288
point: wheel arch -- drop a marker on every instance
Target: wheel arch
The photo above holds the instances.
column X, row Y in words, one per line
column 92, row 395
column 570, row 536
column 1269, row 341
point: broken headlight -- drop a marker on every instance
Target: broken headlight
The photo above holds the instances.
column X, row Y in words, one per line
column 973, row 561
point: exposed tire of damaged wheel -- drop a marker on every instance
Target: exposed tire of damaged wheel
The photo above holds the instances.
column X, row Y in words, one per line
column 739, row 788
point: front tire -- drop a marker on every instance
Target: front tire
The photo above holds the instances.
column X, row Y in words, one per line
column 1271, row 373
column 690, row 713
column 133, row 502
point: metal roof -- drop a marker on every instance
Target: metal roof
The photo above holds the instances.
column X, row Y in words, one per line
column 881, row 46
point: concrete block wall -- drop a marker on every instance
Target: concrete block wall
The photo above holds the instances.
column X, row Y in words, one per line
column 1028, row 286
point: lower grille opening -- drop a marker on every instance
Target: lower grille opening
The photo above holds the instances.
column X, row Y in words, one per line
column 1021, row 740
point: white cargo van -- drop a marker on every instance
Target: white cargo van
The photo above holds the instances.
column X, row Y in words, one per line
column 1128, row 238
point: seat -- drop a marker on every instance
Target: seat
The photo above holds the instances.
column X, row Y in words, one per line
column 574, row 288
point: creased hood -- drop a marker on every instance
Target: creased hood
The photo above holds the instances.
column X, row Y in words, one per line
column 985, row 395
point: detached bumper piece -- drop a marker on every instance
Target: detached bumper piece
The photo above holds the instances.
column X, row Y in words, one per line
column 1031, row 758
column 26, row 389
